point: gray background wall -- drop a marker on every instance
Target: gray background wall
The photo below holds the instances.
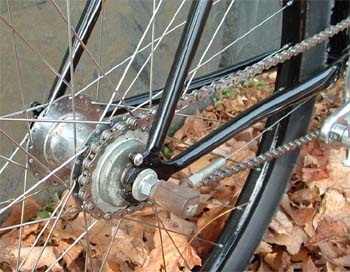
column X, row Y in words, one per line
column 124, row 22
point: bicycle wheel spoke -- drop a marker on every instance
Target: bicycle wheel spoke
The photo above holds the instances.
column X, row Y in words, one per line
column 149, row 101
column 78, row 40
column 100, row 50
column 208, row 46
column 24, row 198
column 30, row 109
column 5, row 119
column 18, row 70
column 41, row 233
column 216, row 218
column 33, row 49
column 130, row 61
column 62, row 205
column 22, row 215
column 70, row 45
column 114, row 235
column 288, row 4
column 161, row 242
column 188, row 145
column 152, row 54
column 200, row 117
column 169, row 230
column 53, row 172
column 34, row 222
column 88, row 255
column 221, row 205
column 133, row 108
column 13, row 162
column 170, row 237
column 81, row 236
column 34, row 158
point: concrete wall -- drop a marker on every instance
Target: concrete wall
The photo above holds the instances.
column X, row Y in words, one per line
column 124, row 22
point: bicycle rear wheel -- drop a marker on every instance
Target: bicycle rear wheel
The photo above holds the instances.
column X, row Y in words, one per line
column 264, row 187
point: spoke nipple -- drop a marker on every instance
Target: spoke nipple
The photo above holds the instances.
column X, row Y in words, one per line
column 289, row 3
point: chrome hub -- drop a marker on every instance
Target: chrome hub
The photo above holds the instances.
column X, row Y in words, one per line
column 52, row 135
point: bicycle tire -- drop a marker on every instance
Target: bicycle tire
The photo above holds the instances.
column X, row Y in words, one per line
column 266, row 183
column 273, row 177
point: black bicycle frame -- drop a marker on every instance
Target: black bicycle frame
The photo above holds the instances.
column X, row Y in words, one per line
column 185, row 52
column 276, row 102
column 197, row 17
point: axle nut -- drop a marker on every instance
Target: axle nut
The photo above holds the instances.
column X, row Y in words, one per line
column 143, row 184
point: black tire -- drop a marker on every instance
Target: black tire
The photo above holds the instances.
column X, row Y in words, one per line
column 265, row 186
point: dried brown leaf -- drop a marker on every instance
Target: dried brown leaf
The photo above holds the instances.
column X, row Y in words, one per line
column 285, row 233
column 48, row 257
column 279, row 261
column 309, row 266
column 72, row 254
column 334, row 207
column 173, row 260
column 126, row 248
column 339, row 175
column 31, row 207
column 329, row 230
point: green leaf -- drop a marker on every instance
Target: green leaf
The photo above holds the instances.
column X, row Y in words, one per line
column 50, row 207
column 167, row 152
column 43, row 214
column 56, row 197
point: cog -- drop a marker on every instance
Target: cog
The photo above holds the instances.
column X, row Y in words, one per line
column 99, row 170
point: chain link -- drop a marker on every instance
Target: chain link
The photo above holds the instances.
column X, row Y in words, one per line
column 101, row 139
column 261, row 159
column 264, row 64
column 107, row 136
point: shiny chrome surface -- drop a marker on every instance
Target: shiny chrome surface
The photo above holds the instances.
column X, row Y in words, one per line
column 337, row 126
column 143, row 184
column 106, row 188
column 53, row 143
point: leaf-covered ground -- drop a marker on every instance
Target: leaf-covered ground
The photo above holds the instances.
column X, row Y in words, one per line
column 310, row 231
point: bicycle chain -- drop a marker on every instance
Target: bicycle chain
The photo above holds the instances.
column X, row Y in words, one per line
column 265, row 64
column 82, row 173
column 261, row 159
column 96, row 149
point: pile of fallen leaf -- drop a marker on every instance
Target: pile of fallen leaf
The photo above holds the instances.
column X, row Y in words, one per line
column 310, row 230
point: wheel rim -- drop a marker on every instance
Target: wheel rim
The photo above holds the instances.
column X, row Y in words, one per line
column 75, row 91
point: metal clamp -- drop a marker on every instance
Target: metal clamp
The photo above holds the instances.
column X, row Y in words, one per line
column 336, row 127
